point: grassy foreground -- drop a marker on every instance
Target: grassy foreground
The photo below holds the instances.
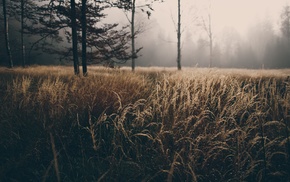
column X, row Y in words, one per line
column 151, row 125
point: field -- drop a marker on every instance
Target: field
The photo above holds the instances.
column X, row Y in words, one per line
column 152, row 125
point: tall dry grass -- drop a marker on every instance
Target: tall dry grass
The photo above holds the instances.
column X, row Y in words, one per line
column 151, row 125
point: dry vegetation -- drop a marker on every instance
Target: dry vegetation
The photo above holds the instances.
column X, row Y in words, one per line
column 151, row 125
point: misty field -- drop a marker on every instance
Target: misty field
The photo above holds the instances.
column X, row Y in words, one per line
column 152, row 125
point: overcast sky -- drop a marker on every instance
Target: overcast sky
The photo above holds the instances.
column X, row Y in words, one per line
column 239, row 14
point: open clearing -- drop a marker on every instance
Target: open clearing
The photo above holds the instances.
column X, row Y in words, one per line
column 156, row 124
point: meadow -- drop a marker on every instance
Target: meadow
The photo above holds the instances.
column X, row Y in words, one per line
column 156, row 124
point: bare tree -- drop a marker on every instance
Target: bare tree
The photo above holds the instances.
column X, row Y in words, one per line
column 6, row 33
column 179, row 38
column 207, row 26
column 131, row 5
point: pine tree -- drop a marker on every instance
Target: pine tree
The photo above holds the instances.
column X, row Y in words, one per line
column 107, row 42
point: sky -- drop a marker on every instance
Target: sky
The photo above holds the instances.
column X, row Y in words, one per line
column 239, row 14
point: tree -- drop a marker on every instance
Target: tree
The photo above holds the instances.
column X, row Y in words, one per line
column 285, row 23
column 206, row 24
column 22, row 37
column 245, row 57
column 179, row 38
column 6, row 33
column 130, row 5
column 259, row 36
column 74, row 37
column 229, row 42
column 84, row 37
column 133, row 34
column 282, row 46
column 81, row 22
column 23, row 14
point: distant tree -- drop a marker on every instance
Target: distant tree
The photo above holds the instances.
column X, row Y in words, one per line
column 24, row 12
column 6, row 33
column 230, row 39
column 282, row 51
column 259, row 36
column 277, row 54
column 206, row 24
column 245, row 57
column 285, row 23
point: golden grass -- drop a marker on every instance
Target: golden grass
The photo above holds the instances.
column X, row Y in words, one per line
column 156, row 124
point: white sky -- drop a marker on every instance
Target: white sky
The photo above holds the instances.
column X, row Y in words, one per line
column 239, row 14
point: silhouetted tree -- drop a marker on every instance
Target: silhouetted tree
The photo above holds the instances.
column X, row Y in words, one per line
column 6, row 33
column 74, row 36
column 84, row 37
column 57, row 20
column 22, row 37
column 179, row 37
column 134, row 55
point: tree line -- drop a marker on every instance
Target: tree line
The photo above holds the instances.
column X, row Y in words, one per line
column 77, row 21
column 80, row 22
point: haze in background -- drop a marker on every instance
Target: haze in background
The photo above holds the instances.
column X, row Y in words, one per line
column 246, row 33
column 232, row 20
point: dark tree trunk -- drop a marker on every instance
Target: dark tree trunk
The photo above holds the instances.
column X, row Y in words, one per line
column 74, row 37
column 10, row 62
column 84, row 37
column 133, row 35
column 22, row 39
column 179, row 38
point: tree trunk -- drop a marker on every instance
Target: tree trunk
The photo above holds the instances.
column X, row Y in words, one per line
column 74, row 37
column 133, row 35
column 179, row 38
column 210, row 40
column 7, row 35
column 22, row 39
column 288, row 28
column 84, row 37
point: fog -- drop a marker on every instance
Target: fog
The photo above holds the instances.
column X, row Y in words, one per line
column 243, row 30
column 246, row 34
